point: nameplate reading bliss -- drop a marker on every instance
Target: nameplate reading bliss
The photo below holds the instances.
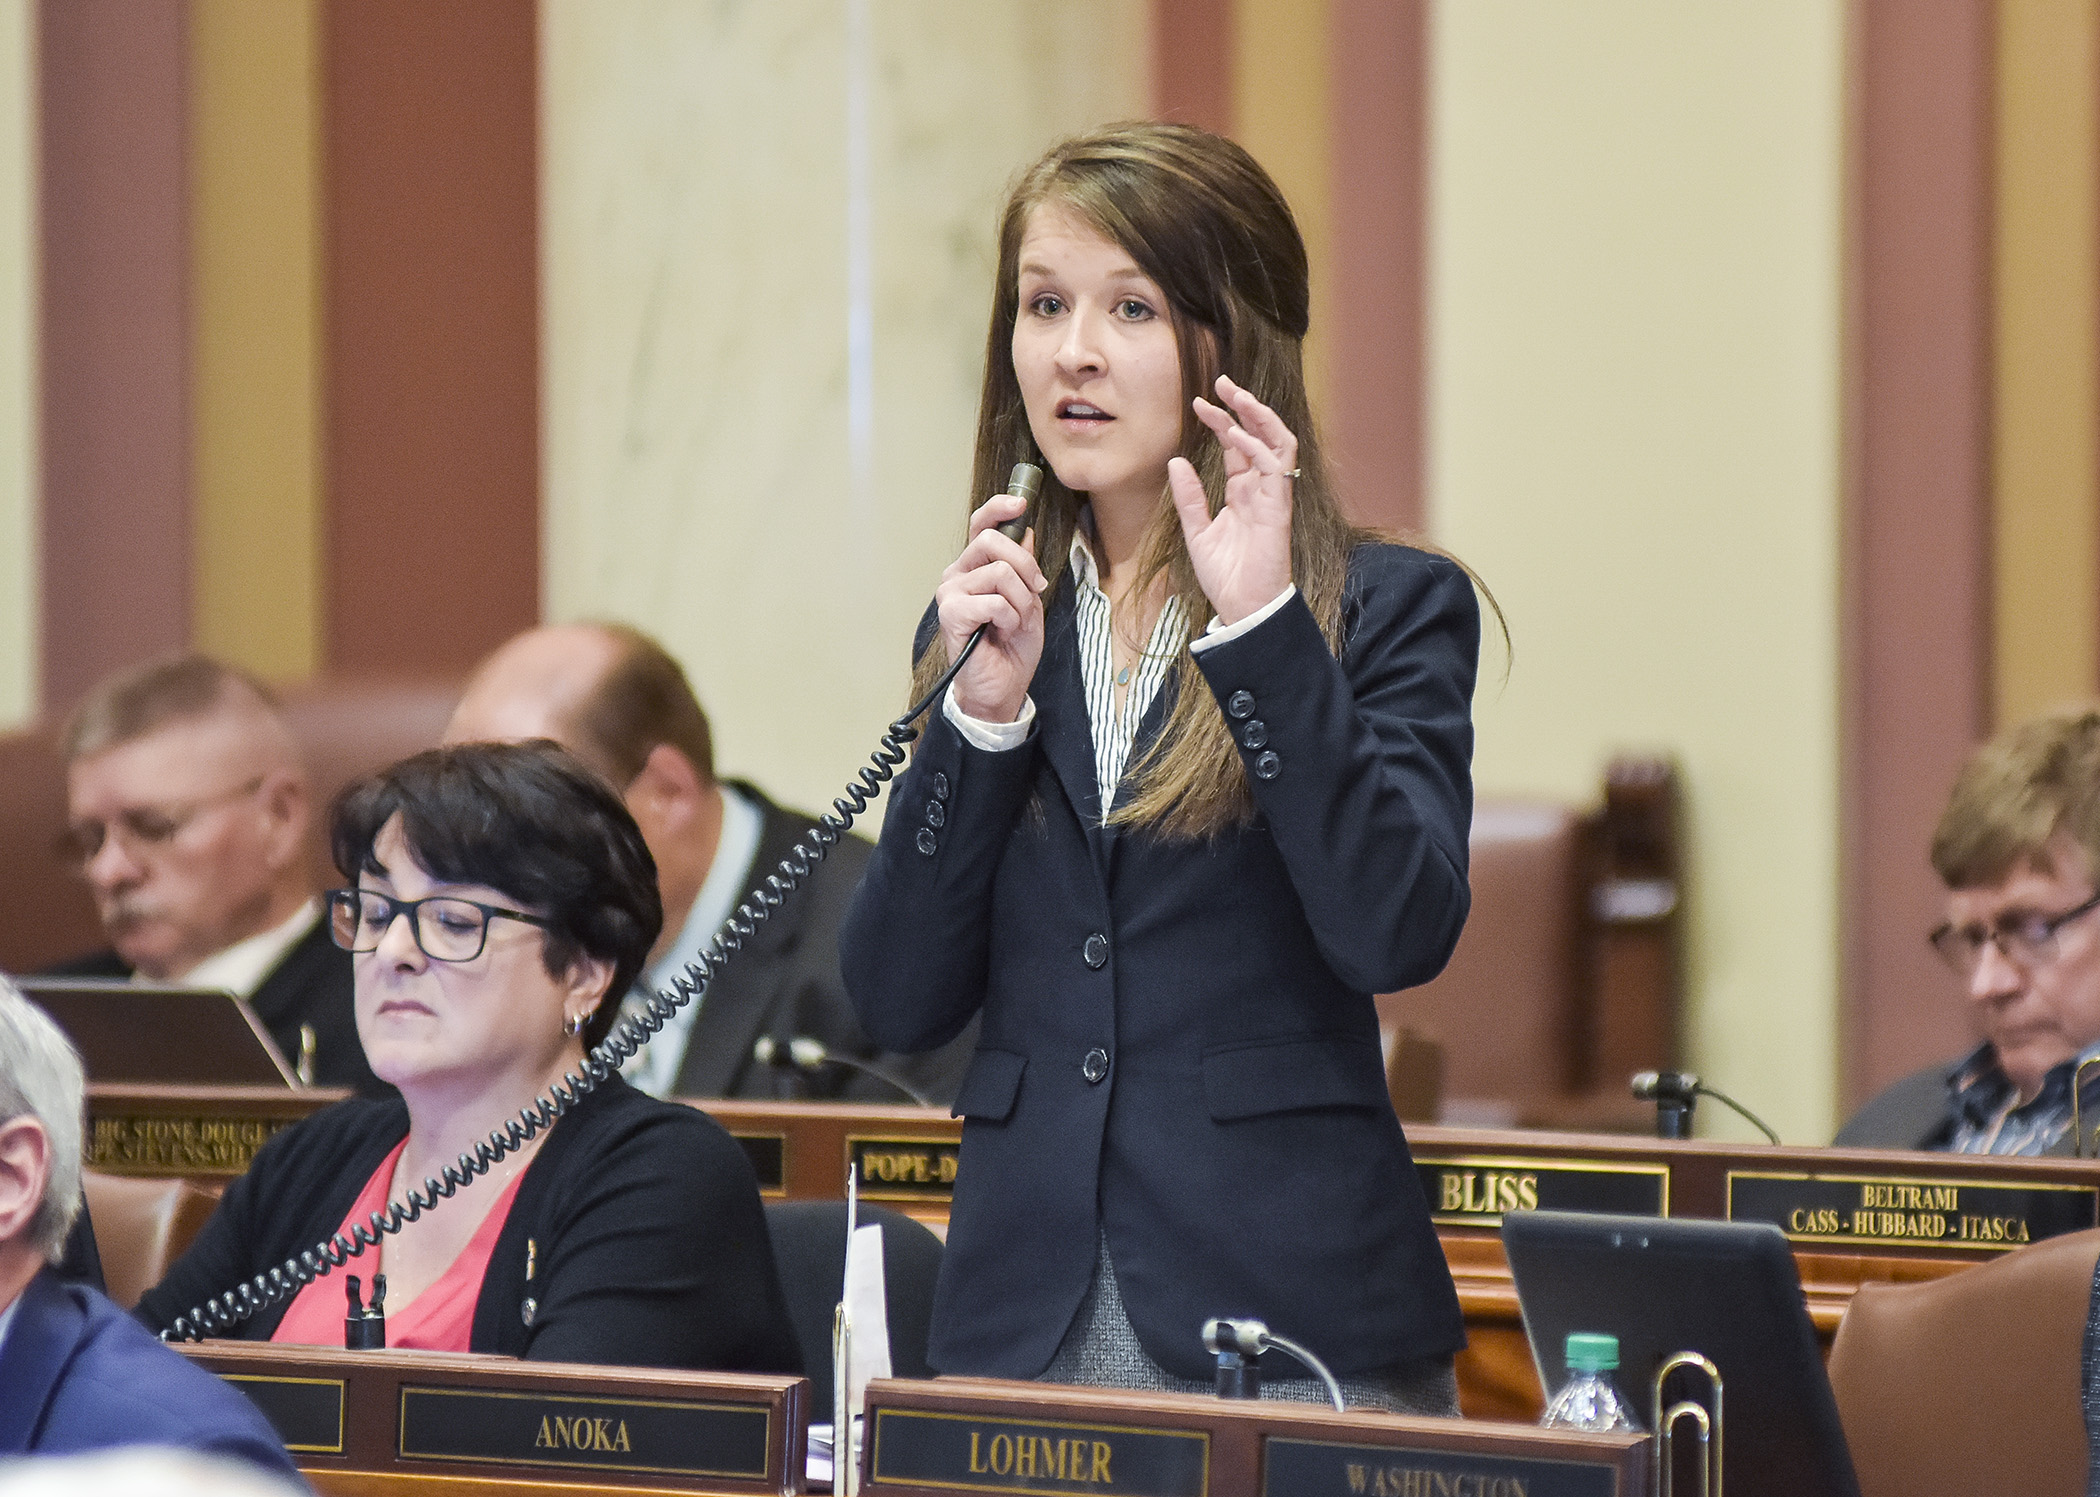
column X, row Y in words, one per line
column 1316, row 1468
column 306, row 1412
column 1473, row 1192
column 905, row 1169
column 976, row 1453
column 1991, row 1216
column 623, row 1434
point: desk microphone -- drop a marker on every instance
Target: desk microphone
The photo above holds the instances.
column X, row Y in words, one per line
column 805, row 1053
column 1236, row 1344
column 1675, row 1093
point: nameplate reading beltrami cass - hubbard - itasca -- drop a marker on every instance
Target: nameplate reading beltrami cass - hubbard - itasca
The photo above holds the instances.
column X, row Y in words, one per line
column 905, row 1169
column 623, row 1434
column 1845, row 1210
column 1466, row 1191
column 1320, row 1468
column 982, row 1453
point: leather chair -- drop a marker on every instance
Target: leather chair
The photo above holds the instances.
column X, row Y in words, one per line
column 809, row 1250
column 344, row 729
column 1972, row 1382
column 142, row 1226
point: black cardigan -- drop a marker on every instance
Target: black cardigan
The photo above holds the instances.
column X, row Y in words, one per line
column 651, row 1242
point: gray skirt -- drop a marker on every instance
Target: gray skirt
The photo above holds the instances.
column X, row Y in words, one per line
column 1101, row 1350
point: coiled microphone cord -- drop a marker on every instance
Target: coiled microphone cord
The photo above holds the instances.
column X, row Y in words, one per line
column 223, row 1312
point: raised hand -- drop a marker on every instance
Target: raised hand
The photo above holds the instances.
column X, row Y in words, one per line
column 997, row 582
column 1241, row 555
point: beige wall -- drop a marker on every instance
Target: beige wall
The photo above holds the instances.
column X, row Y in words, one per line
column 1635, row 304
column 700, row 475
column 18, row 486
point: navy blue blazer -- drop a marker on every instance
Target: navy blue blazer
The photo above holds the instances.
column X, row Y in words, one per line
column 1179, row 1044
column 77, row 1373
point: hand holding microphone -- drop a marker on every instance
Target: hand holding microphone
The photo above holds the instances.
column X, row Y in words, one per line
column 990, row 602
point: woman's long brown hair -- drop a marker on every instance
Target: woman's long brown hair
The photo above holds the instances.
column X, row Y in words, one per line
column 1210, row 228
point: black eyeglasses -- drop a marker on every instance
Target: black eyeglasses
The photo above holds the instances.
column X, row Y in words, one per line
column 447, row 929
column 2028, row 941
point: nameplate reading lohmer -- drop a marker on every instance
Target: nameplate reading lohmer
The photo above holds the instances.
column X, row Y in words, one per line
column 306, row 1412
column 905, row 1169
column 622, row 1434
column 981, row 1453
column 1991, row 1216
column 1466, row 1191
column 1318, row 1468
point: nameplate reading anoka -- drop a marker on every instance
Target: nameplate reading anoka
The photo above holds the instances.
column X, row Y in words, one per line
column 306, row 1412
column 1316, row 1468
column 983, row 1453
column 1465, row 1191
column 905, row 1169
column 1991, row 1216
column 622, row 1434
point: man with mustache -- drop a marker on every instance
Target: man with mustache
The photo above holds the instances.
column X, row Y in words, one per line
column 188, row 808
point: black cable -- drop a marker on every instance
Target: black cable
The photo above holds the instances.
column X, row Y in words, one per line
column 223, row 1312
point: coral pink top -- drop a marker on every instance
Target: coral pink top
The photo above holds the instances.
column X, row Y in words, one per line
column 441, row 1318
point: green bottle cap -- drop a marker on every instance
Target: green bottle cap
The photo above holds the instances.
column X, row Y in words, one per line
column 1590, row 1352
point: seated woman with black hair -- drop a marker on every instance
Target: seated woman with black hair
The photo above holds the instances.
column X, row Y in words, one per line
column 504, row 901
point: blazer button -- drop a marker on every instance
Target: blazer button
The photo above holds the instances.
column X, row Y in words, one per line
column 1254, row 734
column 936, row 815
column 1240, row 705
column 1095, row 1066
column 1266, row 767
column 1095, row 952
column 930, row 844
column 940, row 785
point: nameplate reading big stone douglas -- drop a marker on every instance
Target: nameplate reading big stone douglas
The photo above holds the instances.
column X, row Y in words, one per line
column 1475, row 1192
column 1316, row 1468
column 905, row 1169
column 622, row 1434
column 1990, row 1216
column 981, row 1453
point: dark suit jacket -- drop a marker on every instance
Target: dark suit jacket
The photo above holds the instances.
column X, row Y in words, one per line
column 1179, row 1042
column 651, row 1246
column 77, row 1373
column 785, row 983
column 311, row 985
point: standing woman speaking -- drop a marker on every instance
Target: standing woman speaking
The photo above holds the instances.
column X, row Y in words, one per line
column 1202, row 790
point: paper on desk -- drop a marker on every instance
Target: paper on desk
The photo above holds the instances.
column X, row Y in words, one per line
column 867, row 1312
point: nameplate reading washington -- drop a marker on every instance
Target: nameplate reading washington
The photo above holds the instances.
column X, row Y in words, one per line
column 905, row 1169
column 1316, row 1468
column 1992, row 1216
column 1465, row 1191
column 981, row 1453
column 621, row 1434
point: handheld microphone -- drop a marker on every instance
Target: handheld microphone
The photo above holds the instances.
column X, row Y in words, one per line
column 806, row 1053
column 1236, row 1344
column 1024, row 483
column 1675, row 1093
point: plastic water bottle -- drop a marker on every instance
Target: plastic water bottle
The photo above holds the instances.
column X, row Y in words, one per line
column 1590, row 1401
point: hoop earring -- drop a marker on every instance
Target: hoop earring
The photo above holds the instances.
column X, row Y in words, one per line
column 572, row 1025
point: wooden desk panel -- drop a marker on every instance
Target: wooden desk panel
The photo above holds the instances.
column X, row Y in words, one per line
column 402, row 1421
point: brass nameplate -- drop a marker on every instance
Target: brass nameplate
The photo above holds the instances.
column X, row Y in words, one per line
column 306, row 1412
column 1466, row 1191
column 1318, row 1468
column 620, row 1434
column 768, row 1155
column 1893, row 1211
column 165, row 1145
column 984, row 1453
column 905, row 1169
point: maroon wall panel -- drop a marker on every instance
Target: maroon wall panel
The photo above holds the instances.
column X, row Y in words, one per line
column 113, row 338
column 432, row 330
column 1192, row 63
column 1917, row 543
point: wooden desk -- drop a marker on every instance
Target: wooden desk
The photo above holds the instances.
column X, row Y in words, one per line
column 438, row 1424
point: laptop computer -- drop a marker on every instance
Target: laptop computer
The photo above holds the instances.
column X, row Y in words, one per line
column 1728, row 1290
column 143, row 1032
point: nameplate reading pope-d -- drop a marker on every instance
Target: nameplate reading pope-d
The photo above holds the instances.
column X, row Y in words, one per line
column 1895, row 1211
column 905, row 1169
column 986, row 1453
column 694, row 1439
column 1473, row 1191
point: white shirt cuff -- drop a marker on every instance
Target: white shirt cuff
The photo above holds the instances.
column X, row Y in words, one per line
column 994, row 738
column 1218, row 633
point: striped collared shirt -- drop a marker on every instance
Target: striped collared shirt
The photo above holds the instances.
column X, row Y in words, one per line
column 1990, row 1118
column 1114, row 735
